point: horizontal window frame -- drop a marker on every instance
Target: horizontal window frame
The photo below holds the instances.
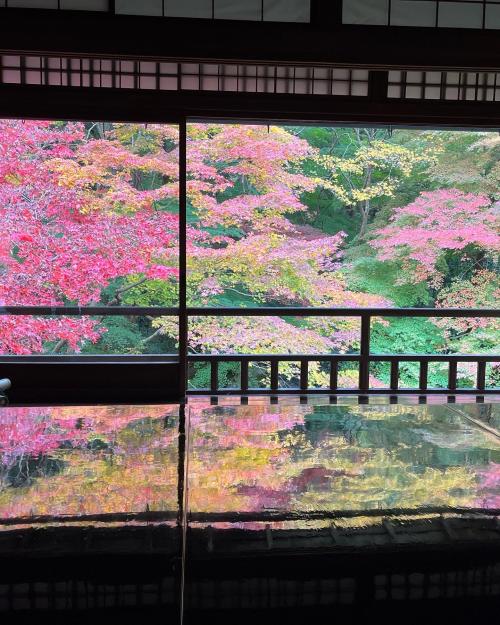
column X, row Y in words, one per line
column 261, row 311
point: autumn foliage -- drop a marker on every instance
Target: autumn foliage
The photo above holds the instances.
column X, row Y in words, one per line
column 93, row 460
column 276, row 216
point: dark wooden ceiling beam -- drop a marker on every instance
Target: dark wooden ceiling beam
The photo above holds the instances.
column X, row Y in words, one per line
column 148, row 106
column 322, row 41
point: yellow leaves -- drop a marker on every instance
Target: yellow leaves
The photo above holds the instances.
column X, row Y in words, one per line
column 13, row 179
column 385, row 188
column 197, row 199
column 250, row 457
column 376, row 154
column 69, row 171
column 373, row 171
column 203, row 131
column 318, row 378
column 168, row 326
column 296, row 439
column 93, row 484
column 144, row 138
column 350, row 166
column 337, row 189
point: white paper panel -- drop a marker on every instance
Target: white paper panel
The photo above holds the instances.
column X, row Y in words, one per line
column 241, row 10
column 411, row 13
column 188, row 8
column 451, row 93
column 359, row 74
column 432, row 93
column 433, row 78
column 144, row 7
column 287, row 10
column 413, row 92
column 85, row 5
column 460, row 15
column 33, row 4
column 414, row 77
column 373, row 12
column 359, row 89
column 493, row 16
column 394, row 91
column 452, row 78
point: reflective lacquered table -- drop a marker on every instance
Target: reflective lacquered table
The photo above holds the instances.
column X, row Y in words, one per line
column 211, row 511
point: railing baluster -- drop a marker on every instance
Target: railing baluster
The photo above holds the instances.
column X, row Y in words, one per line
column 364, row 358
column 304, row 375
column 481, row 375
column 423, row 376
column 214, row 376
column 244, row 375
column 364, row 350
column 394, row 375
column 274, row 374
column 334, row 375
column 395, row 360
column 452, row 375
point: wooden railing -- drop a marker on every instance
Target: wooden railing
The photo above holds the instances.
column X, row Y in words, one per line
column 364, row 358
column 332, row 361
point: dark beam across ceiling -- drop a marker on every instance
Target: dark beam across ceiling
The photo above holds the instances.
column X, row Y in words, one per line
column 151, row 106
column 325, row 40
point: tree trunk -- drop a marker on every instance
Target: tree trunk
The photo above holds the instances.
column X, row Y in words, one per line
column 365, row 214
column 366, row 204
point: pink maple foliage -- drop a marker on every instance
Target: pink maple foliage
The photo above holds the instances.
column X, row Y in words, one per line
column 437, row 221
column 490, row 487
column 82, row 211
column 56, row 248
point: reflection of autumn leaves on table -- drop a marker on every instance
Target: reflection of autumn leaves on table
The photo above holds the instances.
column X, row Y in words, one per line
column 300, row 459
column 85, row 460
column 490, row 487
column 88, row 460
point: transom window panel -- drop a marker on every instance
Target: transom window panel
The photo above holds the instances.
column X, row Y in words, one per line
column 365, row 12
column 84, row 5
column 192, row 8
column 32, row 4
column 425, row 85
column 77, row 5
column 147, row 7
column 251, row 10
column 274, row 79
column 287, row 10
column 483, row 14
column 162, row 76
